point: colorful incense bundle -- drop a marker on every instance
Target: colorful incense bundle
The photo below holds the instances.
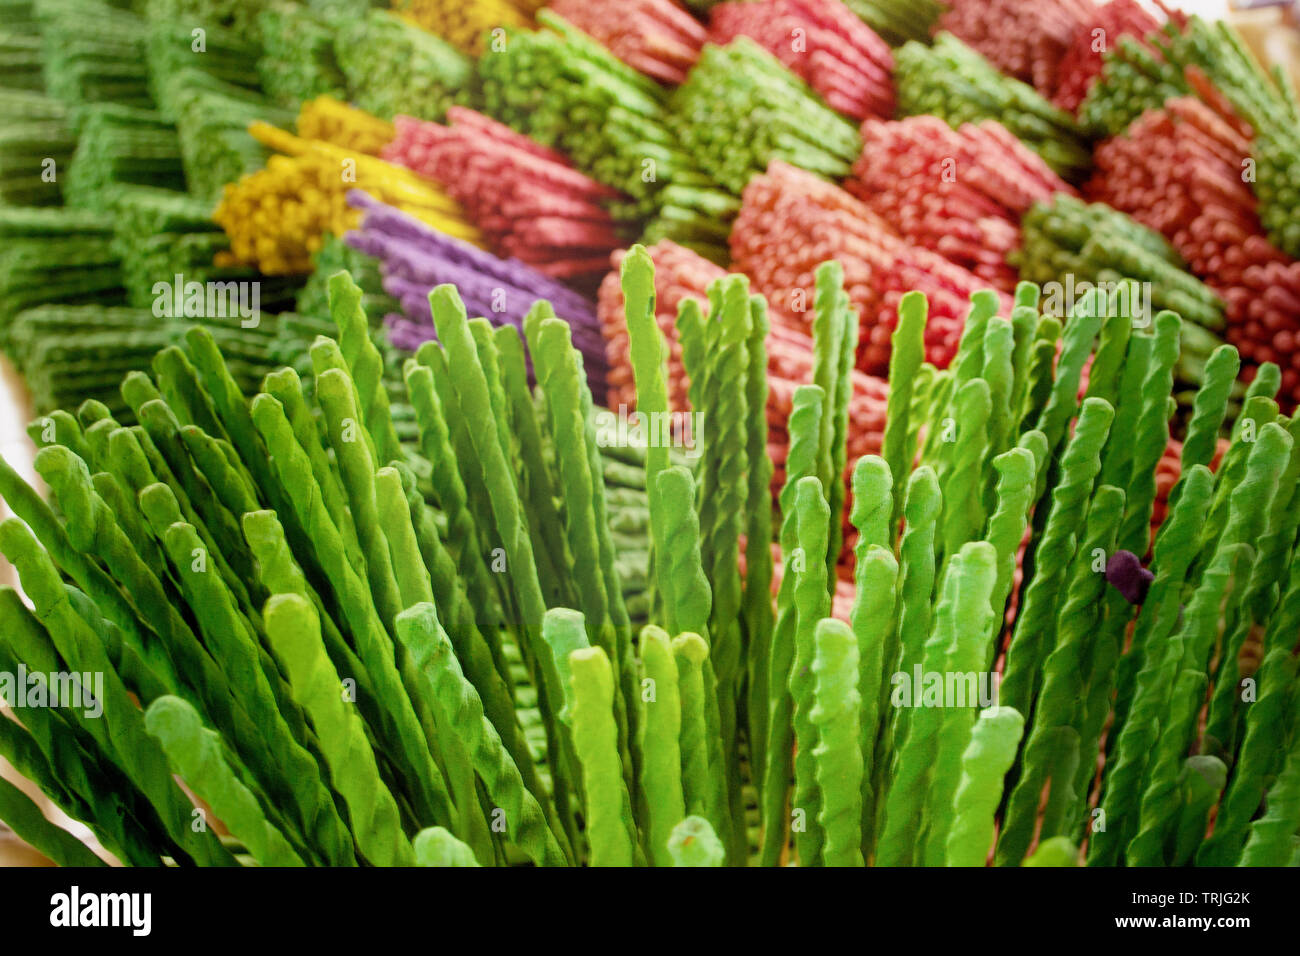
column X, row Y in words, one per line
column 960, row 192
column 1179, row 171
column 50, row 255
column 528, row 201
column 467, row 24
column 93, row 53
column 1025, row 39
column 656, row 37
column 1186, row 57
column 695, row 212
column 36, row 147
column 278, row 216
column 240, row 17
column 953, row 82
column 347, row 127
column 565, row 91
column 78, row 353
column 212, row 120
column 161, row 234
column 298, row 61
column 172, row 46
column 1215, row 61
column 1134, row 79
column 122, row 144
column 822, row 42
column 791, row 221
column 392, row 66
column 1101, row 29
column 1211, row 61
column 1093, row 241
column 614, row 124
column 740, row 109
column 897, row 21
column 414, row 258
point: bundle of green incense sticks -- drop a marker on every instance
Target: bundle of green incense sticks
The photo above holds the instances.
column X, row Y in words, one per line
column 356, row 651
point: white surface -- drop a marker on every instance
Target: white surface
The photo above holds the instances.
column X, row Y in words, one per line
column 1206, row 8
